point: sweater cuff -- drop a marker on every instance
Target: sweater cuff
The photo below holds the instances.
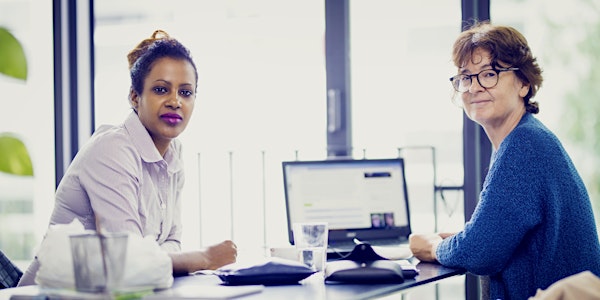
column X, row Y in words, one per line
column 435, row 245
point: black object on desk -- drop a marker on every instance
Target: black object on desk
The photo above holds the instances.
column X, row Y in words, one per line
column 364, row 266
column 271, row 272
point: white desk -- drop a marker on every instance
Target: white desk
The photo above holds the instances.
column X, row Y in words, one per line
column 310, row 288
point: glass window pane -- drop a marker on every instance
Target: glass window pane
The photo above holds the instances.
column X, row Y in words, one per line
column 401, row 98
column 564, row 37
column 261, row 96
column 27, row 106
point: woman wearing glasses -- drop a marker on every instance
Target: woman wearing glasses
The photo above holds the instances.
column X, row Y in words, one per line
column 534, row 223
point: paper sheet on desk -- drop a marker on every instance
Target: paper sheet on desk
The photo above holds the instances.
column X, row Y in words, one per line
column 146, row 265
column 205, row 292
column 393, row 253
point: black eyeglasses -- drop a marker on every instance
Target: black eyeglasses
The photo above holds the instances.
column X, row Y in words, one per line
column 486, row 78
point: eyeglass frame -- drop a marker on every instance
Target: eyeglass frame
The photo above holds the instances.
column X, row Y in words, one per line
column 496, row 70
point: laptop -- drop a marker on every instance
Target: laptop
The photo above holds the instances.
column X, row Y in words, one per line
column 364, row 200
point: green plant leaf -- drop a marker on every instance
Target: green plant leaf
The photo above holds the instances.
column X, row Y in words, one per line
column 12, row 58
column 14, row 158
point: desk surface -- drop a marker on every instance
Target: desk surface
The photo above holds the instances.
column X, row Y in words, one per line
column 310, row 288
column 314, row 288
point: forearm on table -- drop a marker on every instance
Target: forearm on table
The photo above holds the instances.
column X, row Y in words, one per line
column 189, row 262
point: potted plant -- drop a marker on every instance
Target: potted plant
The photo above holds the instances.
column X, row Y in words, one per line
column 14, row 157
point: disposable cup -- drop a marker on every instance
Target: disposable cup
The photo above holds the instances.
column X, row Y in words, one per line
column 310, row 239
column 87, row 263
column 98, row 261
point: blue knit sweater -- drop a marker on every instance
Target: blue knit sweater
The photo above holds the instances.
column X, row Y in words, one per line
column 533, row 224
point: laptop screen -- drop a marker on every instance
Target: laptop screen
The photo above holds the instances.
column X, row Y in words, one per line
column 365, row 199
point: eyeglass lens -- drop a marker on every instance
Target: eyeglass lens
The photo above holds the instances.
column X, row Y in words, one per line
column 485, row 78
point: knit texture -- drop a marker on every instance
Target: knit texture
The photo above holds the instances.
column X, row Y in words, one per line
column 534, row 222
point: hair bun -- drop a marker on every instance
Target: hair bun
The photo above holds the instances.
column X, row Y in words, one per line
column 160, row 34
column 140, row 49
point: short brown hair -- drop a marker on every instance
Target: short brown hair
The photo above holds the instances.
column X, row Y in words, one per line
column 506, row 45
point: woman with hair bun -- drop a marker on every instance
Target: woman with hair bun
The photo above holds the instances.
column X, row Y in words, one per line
column 129, row 177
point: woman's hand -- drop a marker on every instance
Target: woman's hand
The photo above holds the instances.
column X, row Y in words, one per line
column 211, row 258
column 220, row 254
column 423, row 246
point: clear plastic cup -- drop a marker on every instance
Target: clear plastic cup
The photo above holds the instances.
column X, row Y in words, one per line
column 310, row 239
column 98, row 261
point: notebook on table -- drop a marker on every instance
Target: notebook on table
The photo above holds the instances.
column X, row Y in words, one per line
column 363, row 200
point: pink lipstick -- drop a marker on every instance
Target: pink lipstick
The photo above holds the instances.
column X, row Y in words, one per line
column 171, row 119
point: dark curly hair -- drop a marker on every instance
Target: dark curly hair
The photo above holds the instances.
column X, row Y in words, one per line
column 507, row 46
column 159, row 45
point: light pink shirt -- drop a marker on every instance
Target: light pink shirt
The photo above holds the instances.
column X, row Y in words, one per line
column 120, row 179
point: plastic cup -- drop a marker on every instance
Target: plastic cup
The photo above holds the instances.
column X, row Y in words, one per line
column 87, row 263
column 310, row 239
column 98, row 261
column 115, row 253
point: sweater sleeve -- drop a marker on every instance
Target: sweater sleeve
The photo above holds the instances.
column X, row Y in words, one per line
column 508, row 208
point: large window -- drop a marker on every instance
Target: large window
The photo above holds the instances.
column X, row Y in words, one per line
column 401, row 105
column 564, row 37
column 401, row 98
column 260, row 100
column 25, row 202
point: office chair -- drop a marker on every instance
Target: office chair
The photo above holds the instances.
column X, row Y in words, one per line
column 9, row 273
